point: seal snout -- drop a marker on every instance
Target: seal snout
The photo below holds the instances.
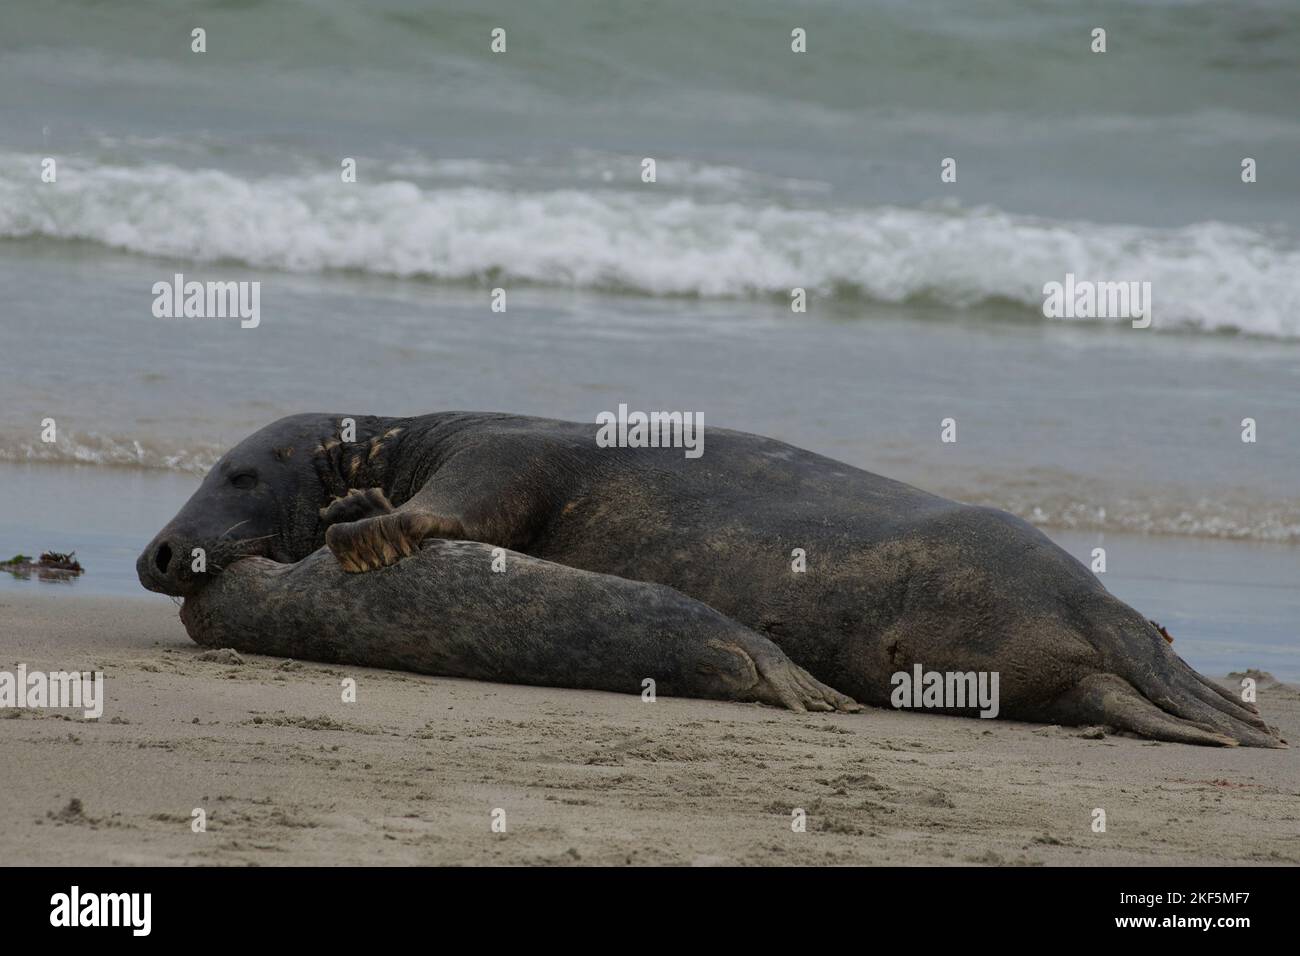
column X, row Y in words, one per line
column 162, row 567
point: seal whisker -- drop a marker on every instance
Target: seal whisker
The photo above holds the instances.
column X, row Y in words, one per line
column 248, row 540
column 233, row 527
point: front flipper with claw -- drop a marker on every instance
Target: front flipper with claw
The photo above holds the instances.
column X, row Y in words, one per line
column 357, row 505
column 376, row 542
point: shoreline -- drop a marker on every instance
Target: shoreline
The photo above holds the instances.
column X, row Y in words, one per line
column 289, row 774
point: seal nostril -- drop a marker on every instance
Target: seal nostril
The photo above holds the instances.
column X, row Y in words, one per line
column 163, row 557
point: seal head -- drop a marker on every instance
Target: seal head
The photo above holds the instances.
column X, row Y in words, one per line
column 263, row 498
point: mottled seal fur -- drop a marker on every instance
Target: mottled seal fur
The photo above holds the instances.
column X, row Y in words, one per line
column 895, row 577
column 444, row 611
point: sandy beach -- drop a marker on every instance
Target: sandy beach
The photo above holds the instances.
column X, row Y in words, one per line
column 287, row 773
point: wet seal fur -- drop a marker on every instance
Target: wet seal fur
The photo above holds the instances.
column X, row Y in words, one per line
column 895, row 576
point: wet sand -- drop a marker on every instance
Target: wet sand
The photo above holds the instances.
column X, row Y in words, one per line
column 412, row 772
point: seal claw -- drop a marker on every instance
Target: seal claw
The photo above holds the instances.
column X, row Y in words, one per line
column 378, row 541
column 357, row 505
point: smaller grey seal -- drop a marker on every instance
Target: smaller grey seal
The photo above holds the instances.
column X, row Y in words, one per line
column 445, row 611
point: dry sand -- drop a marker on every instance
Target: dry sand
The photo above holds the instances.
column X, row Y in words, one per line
column 411, row 773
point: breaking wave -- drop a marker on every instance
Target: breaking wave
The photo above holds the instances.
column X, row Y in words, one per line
column 700, row 232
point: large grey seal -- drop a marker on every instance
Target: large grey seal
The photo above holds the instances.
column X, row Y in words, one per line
column 895, row 577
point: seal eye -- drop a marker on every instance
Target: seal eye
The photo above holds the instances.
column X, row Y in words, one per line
column 244, row 481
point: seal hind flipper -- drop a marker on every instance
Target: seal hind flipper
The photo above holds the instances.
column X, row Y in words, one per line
column 1191, row 701
column 757, row 670
column 1111, row 700
column 782, row 683
column 1162, row 677
column 1215, row 697
column 1227, row 694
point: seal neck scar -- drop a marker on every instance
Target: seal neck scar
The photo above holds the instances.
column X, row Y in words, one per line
column 363, row 463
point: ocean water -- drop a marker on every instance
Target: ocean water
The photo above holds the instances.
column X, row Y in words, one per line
column 774, row 170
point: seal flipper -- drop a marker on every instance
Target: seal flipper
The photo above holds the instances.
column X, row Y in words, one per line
column 1161, row 676
column 1108, row 699
column 378, row 541
column 1185, row 702
column 357, row 505
column 783, row 683
column 1229, row 696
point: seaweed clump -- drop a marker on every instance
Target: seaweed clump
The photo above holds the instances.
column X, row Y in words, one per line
column 50, row 566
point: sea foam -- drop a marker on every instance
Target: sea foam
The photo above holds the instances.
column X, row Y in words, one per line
column 656, row 240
